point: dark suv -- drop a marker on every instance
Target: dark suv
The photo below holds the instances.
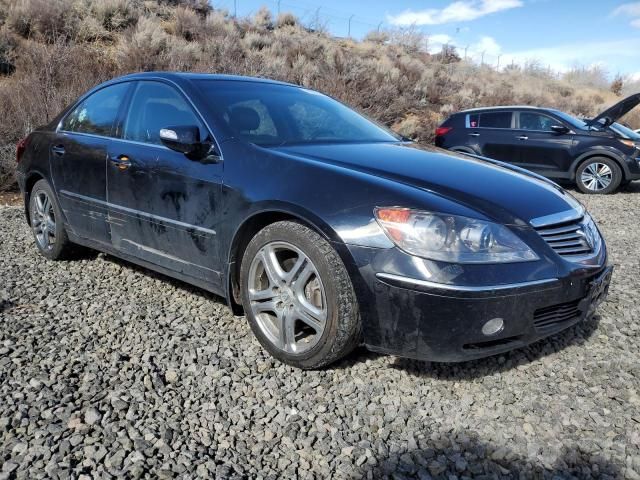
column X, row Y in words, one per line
column 598, row 155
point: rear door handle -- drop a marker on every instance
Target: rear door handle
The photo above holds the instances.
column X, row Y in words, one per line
column 522, row 137
column 121, row 161
column 474, row 134
column 58, row 150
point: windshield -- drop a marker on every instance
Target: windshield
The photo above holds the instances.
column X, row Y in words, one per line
column 270, row 115
column 624, row 132
column 573, row 121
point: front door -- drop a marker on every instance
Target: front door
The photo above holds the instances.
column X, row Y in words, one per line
column 78, row 156
column 164, row 207
column 541, row 149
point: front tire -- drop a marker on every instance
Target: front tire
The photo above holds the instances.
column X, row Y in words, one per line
column 47, row 222
column 298, row 297
column 598, row 176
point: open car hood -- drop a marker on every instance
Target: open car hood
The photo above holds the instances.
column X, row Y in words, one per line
column 618, row 110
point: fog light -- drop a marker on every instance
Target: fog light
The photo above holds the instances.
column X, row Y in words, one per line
column 493, row 326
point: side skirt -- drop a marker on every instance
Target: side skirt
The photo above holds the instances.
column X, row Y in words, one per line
column 104, row 248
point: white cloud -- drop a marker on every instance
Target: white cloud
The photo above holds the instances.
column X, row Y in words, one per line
column 629, row 10
column 488, row 45
column 437, row 41
column 614, row 54
column 459, row 11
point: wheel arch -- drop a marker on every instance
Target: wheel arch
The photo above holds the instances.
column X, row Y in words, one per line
column 30, row 180
column 256, row 222
column 597, row 153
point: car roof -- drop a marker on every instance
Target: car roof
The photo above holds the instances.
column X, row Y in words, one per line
column 506, row 107
column 181, row 76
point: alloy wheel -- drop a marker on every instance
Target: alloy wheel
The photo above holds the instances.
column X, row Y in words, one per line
column 596, row 176
column 43, row 220
column 287, row 297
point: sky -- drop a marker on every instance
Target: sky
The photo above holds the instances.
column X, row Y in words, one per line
column 558, row 33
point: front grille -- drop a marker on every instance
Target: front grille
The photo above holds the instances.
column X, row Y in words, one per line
column 569, row 238
column 548, row 318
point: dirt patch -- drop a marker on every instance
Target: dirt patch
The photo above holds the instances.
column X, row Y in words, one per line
column 10, row 199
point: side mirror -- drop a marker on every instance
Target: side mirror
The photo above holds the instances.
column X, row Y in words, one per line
column 559, row 129
column 184, row 139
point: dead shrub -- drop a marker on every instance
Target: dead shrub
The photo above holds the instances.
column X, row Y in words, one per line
column 187, row 24
column 263, row 19
column 146, row 48
column 115, row 15
column 287, row 20
column 47, row 20
column 7, row 167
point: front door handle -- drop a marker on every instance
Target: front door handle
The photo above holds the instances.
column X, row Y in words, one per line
column 522, row 137
column 474, row 134
column 121, row 161
column 58, row 150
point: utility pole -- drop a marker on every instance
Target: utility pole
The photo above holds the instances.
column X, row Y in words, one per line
column 317, row 20
column 379, row 26
column 279, row 7
column 498, row 65
column 482, row 60
column 349, row 29
column 465, row 52
column 235, row 8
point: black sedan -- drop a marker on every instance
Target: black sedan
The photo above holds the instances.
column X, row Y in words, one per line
column 325, row 229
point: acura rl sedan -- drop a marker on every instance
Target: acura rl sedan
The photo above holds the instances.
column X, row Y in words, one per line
column 324, row 229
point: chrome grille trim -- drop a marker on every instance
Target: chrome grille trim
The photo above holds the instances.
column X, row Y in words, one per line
column 574, row 239
column 558, row 218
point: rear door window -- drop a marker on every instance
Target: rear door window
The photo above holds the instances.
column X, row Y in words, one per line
column 97, row 113
column 495, row 120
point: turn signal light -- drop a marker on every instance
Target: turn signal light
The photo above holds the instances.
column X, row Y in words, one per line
column 629, row 143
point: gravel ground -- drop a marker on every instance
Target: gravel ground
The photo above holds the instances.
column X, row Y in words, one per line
column 108, row 370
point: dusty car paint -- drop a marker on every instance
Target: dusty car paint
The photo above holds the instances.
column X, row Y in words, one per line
column 191, row 219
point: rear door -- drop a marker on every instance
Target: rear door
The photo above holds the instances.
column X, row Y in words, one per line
column 493, row 135
column 164, row 207
column 541, row 149
column 78, row 157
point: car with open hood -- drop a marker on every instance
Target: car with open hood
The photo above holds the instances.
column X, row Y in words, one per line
column 594, row 154
column 324, row 229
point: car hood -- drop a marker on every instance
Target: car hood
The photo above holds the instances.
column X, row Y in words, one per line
column 494, row 189
column 619, row 110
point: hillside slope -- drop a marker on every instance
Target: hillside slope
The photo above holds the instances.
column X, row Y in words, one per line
column 53, row 50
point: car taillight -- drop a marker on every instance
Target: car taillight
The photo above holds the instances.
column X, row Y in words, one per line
column 441, row 131
column 20, row 148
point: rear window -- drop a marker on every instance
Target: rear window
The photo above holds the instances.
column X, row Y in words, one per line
column 495, row 120
column 490, row 120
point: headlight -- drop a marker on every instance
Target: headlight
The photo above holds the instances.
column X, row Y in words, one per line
column 629, row 143
column 451, row 238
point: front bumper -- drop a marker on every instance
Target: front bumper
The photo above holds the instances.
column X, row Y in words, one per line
column 429, row 321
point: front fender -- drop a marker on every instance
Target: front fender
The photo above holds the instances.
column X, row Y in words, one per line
column 608, row 152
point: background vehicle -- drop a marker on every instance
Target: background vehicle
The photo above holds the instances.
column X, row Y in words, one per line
column 595, row 154
column 325, row 229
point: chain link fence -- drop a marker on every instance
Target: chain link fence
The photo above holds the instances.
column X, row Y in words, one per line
column 7, row 167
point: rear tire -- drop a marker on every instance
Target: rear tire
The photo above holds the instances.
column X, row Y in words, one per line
column 47, row 223
column 598, row 176
column 298, row 297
